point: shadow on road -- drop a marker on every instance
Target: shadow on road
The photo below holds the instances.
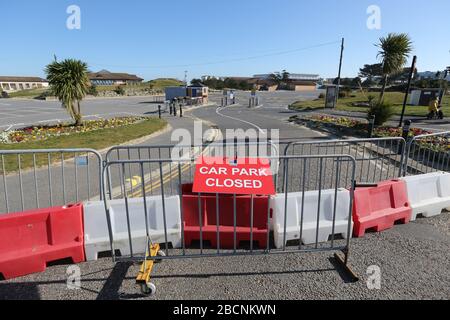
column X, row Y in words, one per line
column 239, row 274
column 110, row 290
column 19, row 291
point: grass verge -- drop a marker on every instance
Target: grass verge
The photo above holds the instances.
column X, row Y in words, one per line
column 99, row 139
column 396, row 98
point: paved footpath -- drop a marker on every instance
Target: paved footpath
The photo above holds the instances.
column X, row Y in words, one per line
column 413, row 258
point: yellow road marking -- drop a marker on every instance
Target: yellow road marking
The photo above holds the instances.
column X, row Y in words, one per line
column 134, row 181
column 166, row 179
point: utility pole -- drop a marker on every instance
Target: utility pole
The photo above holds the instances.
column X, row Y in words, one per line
column 185, row 77
column 405, row 100
column 340, row 69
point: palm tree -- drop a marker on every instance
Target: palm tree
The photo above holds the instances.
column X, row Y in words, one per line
column 70, row 83
column 394, row 51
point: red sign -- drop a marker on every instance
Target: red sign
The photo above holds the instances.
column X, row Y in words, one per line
column 233, row 176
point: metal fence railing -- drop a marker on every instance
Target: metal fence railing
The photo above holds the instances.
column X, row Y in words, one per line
column 32, row 179
column 427, row 153
column 376, row 159
column 300, row 181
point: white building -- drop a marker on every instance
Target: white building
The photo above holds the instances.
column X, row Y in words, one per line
column 13, row 83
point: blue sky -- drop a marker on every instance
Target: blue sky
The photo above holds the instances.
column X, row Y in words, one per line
column 234, row 37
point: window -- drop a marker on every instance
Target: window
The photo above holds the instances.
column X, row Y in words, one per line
column 27, row 86
column 20, row 86
column 13, row 86
column 6, row 86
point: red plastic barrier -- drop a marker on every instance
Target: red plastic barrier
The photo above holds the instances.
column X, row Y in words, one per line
column 31, row 239
column 380, row 207
column 226, row 218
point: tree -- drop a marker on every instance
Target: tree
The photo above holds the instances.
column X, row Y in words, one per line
column 70, row 83
column 196, row 82
column 368, row 83
column 394, row 52
column 371, row 71
column 285, row 76
column 230, row 83
column 276, row 77
column 356, row 82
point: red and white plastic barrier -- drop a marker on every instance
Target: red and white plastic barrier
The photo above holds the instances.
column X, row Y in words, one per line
column 428, row 193
column 31, row 239
column 310, row 210
column 379, row 207
column 96, row 227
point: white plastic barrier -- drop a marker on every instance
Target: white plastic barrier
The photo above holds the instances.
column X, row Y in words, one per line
column 310, row 208
column 428, row 193
column 96, row 227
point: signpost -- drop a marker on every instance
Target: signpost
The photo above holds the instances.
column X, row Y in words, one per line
column 330, row 99
column 233, row 176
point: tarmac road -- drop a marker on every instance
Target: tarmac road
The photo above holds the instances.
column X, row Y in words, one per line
column 413, row 258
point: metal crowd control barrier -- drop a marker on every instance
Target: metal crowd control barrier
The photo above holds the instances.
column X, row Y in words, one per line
column 174, row 151
column 304, row 174
column 427, row 153
column 32, row 179
column 377, row 159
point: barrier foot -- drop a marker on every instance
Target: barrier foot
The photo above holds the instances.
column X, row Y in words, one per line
column 344, row 265
column 143, row 277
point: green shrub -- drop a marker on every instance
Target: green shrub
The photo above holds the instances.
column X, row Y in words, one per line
column 120, row 91
column 45, row 94
column 322, row 96
column 382, row 111
column 371, row 99
column 93, row 90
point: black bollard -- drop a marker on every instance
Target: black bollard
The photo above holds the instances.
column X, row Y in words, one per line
column 371, row 126
column 181, row 110
column 159, row 111
column 405, row 131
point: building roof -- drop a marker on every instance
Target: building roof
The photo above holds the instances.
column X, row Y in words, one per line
column 21, row 79
column 106, row 75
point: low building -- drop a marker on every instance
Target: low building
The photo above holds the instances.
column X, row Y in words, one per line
column 106, row 78
column 302, row 86
column 13, row 83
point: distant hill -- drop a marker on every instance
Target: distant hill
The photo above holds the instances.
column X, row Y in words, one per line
column 165, row 82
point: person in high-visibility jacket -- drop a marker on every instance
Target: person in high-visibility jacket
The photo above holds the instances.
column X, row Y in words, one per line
column 433, row 108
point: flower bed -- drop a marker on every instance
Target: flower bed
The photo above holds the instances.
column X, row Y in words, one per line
column 359, row 128
column 345, row 122
column 41, row 133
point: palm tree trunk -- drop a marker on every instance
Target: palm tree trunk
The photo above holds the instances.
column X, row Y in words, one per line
column 383, row 89
column 76, row 111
